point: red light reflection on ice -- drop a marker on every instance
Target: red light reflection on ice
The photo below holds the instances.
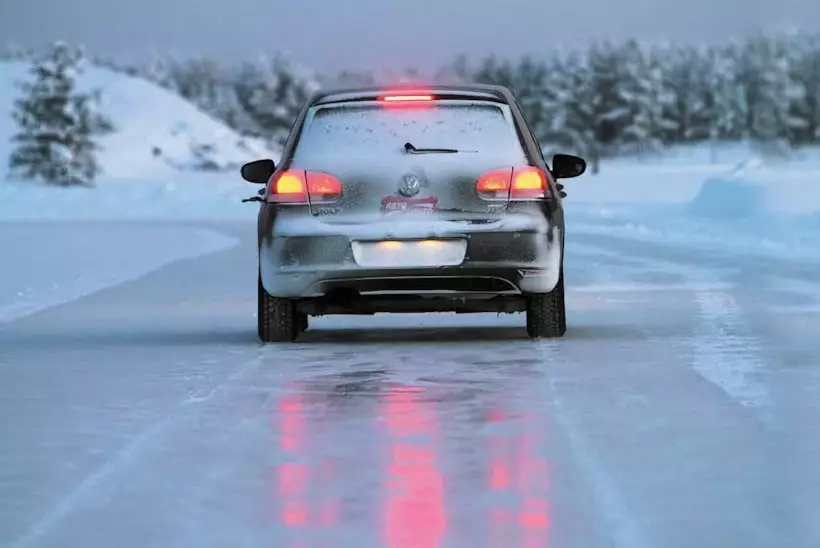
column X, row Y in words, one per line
column 300, row 490
column 415, row 515
column 293, row 477
column 515, row 467
column 293, row 480
column 328, row 513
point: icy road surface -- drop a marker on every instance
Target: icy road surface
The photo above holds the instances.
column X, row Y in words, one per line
column 680, row 411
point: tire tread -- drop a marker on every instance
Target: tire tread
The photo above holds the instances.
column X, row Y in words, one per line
column 546, row 314
column 276, row 318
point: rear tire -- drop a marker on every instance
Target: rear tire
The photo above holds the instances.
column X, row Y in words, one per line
column 547, row 314
column 276, row 318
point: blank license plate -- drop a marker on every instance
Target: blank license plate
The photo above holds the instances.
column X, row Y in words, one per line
column 409, row 253
column 392, row 204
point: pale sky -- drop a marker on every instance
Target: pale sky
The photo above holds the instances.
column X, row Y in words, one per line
column 328, row 35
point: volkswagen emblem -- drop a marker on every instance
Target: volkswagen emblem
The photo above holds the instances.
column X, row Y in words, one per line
column 410, row 185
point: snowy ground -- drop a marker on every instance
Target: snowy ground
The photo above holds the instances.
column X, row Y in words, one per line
column 48, row 264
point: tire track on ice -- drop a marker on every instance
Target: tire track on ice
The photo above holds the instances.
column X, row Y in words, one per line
column 726, row 353
column 611, row 504
column 725, row 350
column 132, row 450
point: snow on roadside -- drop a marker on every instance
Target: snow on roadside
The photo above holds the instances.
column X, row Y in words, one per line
column 47, row 264
column 755, row 206
column 156, row 132
column 147, row 163
column 182, row 197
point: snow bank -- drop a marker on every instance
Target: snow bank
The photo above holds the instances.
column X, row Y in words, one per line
column 674, row 177
column 730, row 200
column 629, row 183
column 157, row 133
column 45, row 265
column 756, row 206
column 681, row 174
column 760, row 191
column 731, row 197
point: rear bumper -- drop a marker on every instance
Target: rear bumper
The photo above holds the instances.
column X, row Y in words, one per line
column 313, row 259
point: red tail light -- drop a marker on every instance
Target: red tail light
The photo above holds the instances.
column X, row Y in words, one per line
column 514, row 183
column 323, row 187
column 528, row 182
column 495, row 185
column 297, row 187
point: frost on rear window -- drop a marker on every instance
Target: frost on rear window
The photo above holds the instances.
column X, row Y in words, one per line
column 355, row 130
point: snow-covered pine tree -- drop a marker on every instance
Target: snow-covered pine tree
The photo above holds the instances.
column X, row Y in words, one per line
column 725, row 108
column 225, row 106
column 575, row 128
column 458, row 71
column 552, row 129
column 535, row 95
column 685, row 72
column 350, row 78
column 114, row 65
column 57, row 123
column 272, row 92
column 493, row 70
column 407, row 75
column 596, row 114
column 205, row 83
column 196, row 79
column 531, row 81
column 159, row 69
column 247, row 79
column 644, row 92
column 805, row 71
column 217, row 97
column 770, row 93
column 612, row 113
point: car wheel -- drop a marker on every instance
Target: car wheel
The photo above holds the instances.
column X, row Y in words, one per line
column 547, row 314
column 276, row 318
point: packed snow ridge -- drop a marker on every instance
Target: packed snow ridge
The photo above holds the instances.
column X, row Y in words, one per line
column 165, row 158
column 157, row 132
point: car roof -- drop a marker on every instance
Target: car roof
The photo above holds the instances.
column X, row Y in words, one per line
column 484, row 92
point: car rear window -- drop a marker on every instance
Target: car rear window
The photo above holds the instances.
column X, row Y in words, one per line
column 375, row 129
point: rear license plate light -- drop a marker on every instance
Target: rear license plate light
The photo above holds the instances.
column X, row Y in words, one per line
column 409, row 253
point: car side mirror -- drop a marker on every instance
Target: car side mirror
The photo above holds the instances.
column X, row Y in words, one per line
column 258, row 171
column 567, row 166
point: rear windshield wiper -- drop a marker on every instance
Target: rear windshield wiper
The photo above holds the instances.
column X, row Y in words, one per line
column 410, row 149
